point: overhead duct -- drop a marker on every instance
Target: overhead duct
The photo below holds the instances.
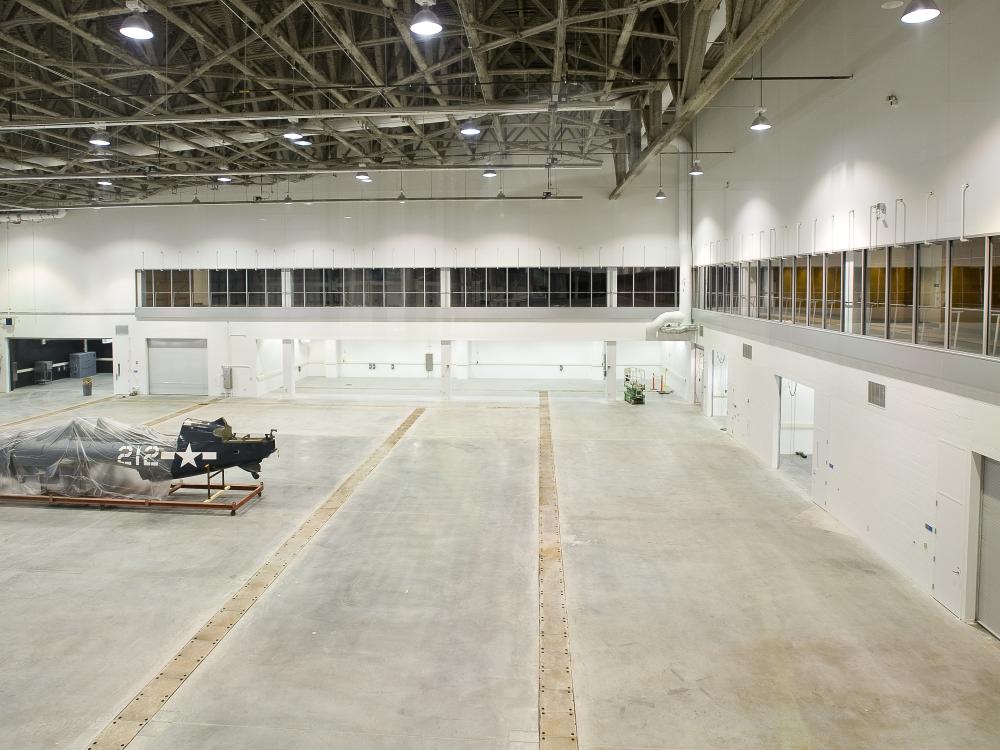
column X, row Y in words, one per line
column 18, row 217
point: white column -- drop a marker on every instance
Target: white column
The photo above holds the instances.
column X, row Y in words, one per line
column 611, row 370
column 446, row 370
column 288, row 365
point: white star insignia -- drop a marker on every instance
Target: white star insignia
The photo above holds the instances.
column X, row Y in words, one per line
column 188, row 456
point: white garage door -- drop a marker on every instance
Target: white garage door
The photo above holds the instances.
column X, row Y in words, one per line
column 178, row 366
column 989, row 550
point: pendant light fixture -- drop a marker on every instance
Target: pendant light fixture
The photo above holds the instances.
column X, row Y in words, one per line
column 489, row 173
column 104, row 182
column 920, row 11
column 223, row 178
column 660, row 195
column 402, row 196
column 469, row 128
column 362, row 177
column 136, row 27
column 760, row 121
column 100, row 138
column 696, row 170
column 425, row 23
column 302, row 142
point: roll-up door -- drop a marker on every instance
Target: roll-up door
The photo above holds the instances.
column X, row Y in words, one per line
column 178, row 366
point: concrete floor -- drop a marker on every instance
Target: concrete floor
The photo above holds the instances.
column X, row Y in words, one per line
column 711, row 605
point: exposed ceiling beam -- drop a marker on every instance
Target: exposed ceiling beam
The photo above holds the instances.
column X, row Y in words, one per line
column 765, row 23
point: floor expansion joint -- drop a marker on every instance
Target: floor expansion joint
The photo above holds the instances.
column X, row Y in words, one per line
column 143, row 707
column 556, row 699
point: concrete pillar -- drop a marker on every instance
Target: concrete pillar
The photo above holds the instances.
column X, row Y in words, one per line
column 611, row 370
column 288, row 365
column 446, row 370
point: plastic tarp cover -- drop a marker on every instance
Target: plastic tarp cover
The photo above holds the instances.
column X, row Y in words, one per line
column 85, row 457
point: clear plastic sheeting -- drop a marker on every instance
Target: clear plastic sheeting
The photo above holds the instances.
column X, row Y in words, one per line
column 87, row 458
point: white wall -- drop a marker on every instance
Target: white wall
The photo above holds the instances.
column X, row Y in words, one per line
column 880, row 471
column 837, row 147
column 86, row 262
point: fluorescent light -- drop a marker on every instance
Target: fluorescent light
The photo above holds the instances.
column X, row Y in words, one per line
column 660, row 195
column 696, row 170
column 469, row 128
column 100, row 138
column 489, row 173
column 425, row 22
column 760, row 122
column 362, row 176
column 223, row 178
column 136, row 27
column 921, row 11
column 302, row 142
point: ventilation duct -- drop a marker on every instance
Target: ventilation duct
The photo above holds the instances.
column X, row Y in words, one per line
column 18, row 217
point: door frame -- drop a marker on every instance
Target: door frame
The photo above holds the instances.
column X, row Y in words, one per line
column 971, row 610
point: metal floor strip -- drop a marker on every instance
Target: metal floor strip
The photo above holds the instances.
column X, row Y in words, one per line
column 44, row 414
column 556, row 699
column 157, row 420
column 130, row 721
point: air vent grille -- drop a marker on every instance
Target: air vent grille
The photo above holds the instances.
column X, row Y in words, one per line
column 747, row 351
column 121, row 330
column 876, row 394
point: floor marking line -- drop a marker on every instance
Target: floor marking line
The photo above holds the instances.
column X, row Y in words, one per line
column 157, row 420
column 556, row 699
column 129, row 722
column 56, row 411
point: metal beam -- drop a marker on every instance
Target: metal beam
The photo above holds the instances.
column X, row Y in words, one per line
column 768, row 20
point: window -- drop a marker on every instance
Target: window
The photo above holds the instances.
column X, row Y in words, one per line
column 992, row 342
column 161, row 288
column 774, row 285
column 801, row 289
column 217, row 288
column 666, row 287
column 787, row 265
column 538, row 287
column 559, row 287
column 752, row 291
column 414, row 287
column 968, row 294
column 763, row 287
column 199, row 288
column 354, row 286
column 854, row 286
column 333, row 287
column 834, row 290
column 815, row 311
column 517, row 287
column 374, row 287
column 496, row 287
column 657, row 287
column 875, row 285
column 392, row 286
column 901, row 292
column 931, row 276
column 237, row 287
column 181, row 286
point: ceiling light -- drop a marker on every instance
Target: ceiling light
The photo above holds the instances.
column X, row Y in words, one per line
column 760, row 122
column 195, row 200
column 921, row 11
column 302, row 142
column 501, row 194
column 362, row 176
column 104, row 182
column 425, row 22
column 100, row 138
column 401, row 197
column 223, row 178
column 660, row 195
column 469, row 128
column 292, row 134
column 136, row 27
column 696, row 170
column 489, row 173
column 288, row 198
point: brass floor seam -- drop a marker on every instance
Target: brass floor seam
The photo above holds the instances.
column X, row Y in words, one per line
column 556, row 698
column 129, row 722
column 52, row 413
column 157, row 420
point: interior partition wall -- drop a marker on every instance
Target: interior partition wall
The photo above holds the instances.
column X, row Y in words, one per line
column 902, row 259
column 968, row 294
column 993, row 336
column 833, row 297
